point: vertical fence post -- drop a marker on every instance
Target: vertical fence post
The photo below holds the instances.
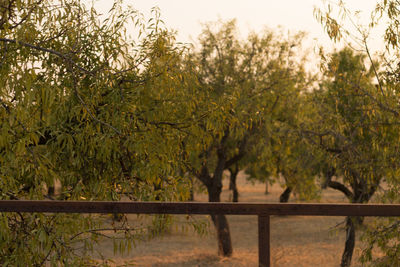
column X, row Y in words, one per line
column 263, row 241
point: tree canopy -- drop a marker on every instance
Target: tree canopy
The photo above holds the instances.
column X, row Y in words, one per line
column 107, row 116
column 372, row 107
column 246, row 84
column 84, row 105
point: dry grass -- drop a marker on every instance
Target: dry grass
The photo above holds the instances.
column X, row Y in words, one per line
column 295, row 240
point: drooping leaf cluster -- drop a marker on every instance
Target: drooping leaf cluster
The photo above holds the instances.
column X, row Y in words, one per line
column 350, row 127
column 86, row 108
column 245, row 87
column 373, row 124
column 249, row 83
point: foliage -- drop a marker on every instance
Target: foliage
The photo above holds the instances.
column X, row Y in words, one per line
column 354, row 132
column 285, row 153
column 352, row 128
column 84, row 105
column 379, row 115
column 250, row 83
column 246, row 84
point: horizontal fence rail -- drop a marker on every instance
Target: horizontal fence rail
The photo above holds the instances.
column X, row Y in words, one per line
column 262, row 210
column 200, row 208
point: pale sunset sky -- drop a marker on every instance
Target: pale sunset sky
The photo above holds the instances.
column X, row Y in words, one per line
column 186, row 16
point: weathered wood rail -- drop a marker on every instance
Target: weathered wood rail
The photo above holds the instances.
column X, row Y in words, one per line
column 262, row 210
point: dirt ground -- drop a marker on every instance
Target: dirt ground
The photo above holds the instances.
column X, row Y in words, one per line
column 295, row 240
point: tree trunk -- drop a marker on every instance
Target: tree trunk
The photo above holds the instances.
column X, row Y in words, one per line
column 284, row 197
column 51, row 191
column 266, row 188
column 235, row 194
column 360, row 194
column 350, row 242
column 214, row 187
column 191, row 196
column 221, row 225
column 233, row 185
column 328, row 175
column 223, row 233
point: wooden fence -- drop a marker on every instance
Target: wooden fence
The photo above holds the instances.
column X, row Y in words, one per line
column 263, row 211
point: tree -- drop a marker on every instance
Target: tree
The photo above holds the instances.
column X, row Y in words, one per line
column 83, row 104
column 242, row 81
column 387, row 102
column 353, row 132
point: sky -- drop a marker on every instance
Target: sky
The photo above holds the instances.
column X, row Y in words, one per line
column 186, row 16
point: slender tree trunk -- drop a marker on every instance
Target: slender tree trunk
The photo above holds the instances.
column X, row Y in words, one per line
column 328, row 175
column 284, row 197
column 221, row 226
column 360, row 193
column 191, row 197
column 51, row 191
column 266, row 188
column 350, row 243
column 214, row 187
column 232, row 183
column 223, row 233
column 235, row 194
